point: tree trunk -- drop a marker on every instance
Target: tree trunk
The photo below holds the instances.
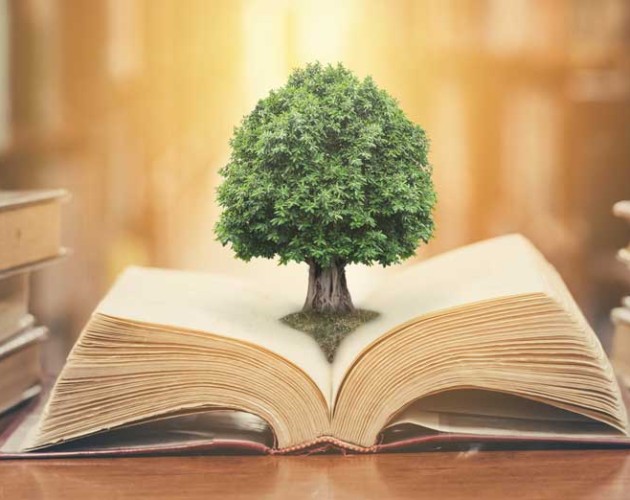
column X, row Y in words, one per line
column 328, row 290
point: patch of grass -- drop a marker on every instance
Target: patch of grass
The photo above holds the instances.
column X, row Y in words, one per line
column 328, row 329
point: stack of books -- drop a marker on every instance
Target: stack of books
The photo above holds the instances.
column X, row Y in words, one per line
column 621, row 315
column 30, row 237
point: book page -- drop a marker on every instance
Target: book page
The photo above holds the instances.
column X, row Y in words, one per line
column 473, row 411
column 499, row 267
column 218, row 305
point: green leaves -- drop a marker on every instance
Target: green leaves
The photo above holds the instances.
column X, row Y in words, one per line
column 327, row 168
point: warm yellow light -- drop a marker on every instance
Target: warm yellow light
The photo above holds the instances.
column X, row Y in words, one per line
column 283, row 34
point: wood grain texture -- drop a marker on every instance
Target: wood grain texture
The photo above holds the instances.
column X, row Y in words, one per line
column 487, row 475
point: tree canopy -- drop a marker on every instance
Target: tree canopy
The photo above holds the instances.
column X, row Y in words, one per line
column 327, row 170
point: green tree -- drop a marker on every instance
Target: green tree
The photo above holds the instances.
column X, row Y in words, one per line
column 327, row 170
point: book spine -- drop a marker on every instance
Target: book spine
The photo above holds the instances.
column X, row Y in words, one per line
column 14, row 298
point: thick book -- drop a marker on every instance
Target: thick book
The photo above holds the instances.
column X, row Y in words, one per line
column 621, row 342
column 14, row 295
column 483, row 343
column 20, row 367
column 30, row 225
column 622, row 209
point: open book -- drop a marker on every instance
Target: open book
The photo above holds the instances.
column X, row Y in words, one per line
column 483, row 341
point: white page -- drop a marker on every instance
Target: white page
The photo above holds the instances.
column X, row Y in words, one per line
column 226, row 306
column 219, row 305
column 499, row 267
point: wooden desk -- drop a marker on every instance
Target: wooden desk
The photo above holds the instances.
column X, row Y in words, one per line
column 553, row 475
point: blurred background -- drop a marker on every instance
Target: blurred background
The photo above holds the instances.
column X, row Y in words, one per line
column 130, row 105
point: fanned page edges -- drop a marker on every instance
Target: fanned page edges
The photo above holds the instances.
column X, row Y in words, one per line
column 104, row 386
column 531, row 344
column 541, row 359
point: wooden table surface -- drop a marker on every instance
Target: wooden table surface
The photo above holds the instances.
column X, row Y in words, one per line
column 481, row 475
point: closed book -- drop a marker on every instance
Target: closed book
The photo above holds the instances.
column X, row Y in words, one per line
column 621, row 341
column 14, row 295
column 20, row 367
column 30, row 227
